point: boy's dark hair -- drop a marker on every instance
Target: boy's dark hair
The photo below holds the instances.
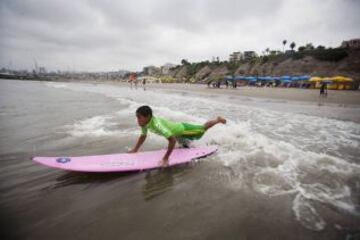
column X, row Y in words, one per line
column 144, row 111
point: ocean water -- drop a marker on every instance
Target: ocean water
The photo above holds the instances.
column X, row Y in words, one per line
column 288, row 170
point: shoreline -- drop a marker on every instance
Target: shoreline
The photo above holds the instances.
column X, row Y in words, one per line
column 341, row 97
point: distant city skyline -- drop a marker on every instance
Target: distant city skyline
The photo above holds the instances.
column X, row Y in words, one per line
column 112, row 35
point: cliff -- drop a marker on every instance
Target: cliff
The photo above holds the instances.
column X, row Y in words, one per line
column 315, row 63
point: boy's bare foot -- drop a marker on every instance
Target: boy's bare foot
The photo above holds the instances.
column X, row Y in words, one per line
column 221, row 120
column 163, row 163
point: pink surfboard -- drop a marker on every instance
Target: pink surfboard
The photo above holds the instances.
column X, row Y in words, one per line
column 124, row 162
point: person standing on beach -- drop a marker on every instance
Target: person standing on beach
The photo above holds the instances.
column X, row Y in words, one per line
column 144, row 83
column 133, row 80
column 326, row 90
column 323, row 90
column 234, row 84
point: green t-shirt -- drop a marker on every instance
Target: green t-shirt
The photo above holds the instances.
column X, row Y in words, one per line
column 163, row 127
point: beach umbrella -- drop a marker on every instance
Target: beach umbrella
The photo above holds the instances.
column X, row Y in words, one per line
column 269, row 78
column 239, row 78
column 341, row 79
column 228, row 78
column 263, row 78
column 284, row 78
column 276, row 78
column 326, row 80
column 295, row 78
column 315, row 79
column 304, row 78
column 251, row 79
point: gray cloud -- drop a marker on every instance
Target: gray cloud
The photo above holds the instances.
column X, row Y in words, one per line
column 108, row 35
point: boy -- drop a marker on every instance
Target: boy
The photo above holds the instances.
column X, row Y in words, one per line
column 181, row 132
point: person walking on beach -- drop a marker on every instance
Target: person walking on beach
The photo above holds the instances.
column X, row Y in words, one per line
column 133, row 80
column 182, row 133
column 323, row 90
column 144, row 83
column 234, row 84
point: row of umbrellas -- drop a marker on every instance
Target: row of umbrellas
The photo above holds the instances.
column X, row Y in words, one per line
column 288, row 79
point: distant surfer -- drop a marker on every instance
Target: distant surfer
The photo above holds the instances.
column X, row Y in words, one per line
column 182, row 133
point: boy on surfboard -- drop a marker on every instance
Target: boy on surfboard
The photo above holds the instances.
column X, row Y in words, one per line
column 183, row 133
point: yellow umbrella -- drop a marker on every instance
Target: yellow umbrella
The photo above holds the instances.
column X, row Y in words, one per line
column 326, row 79
column 348, row 79
column 315, row 79
column 342, row 79
column 338, row 78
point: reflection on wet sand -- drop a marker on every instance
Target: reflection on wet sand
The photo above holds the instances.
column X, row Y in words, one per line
column 157, row 181
column 72, row 178
column 160, row 181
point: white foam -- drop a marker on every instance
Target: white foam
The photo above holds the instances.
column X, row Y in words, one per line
column 56, row 85
column 95, row 126
column 307, row 215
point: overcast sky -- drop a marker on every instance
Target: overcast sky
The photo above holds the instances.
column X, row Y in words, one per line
column 104, row 35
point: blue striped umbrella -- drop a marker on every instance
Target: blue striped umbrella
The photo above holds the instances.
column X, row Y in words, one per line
column 304, row 78
column 240, row 78
column 285, row 78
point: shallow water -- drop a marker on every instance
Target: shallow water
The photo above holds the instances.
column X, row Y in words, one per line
column 288, row 170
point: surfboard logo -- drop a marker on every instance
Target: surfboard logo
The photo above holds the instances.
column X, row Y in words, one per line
column 63, row 160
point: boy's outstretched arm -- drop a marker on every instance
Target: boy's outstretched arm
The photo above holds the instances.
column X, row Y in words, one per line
column 172, row 142
column 140, row 141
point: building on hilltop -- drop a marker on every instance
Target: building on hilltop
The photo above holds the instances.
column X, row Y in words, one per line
column 236, row 57
column 249, row 55
column 166, row 68
column 215, row 59
column 352, row 43
column 150, row 70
